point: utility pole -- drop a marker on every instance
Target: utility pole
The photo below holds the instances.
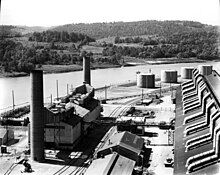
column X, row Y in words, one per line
column 171, row 89
column 51, row 99
column 71, row 88
column 67, row 89
column 170, row 86
column 57, row 91
column 13, row 100
column 160, row 89
column 105, row 92
column 142, row 95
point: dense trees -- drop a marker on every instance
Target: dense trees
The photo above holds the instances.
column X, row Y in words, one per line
column 8, row 31
column 63, row 36
column 14, row 57
column 151, row 27
column 150, row 40
column 202, row 45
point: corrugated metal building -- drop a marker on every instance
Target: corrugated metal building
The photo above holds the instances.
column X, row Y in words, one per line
column 113, row 164
column 125, row 144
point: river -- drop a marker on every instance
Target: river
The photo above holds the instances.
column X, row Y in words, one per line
column 99, row 78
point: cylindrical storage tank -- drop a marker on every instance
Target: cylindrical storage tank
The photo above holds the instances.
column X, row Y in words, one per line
column 187, row 72
column 169, row 76
column 37, row 117
column 86, row 70
column 145, row 80
column 205, row 69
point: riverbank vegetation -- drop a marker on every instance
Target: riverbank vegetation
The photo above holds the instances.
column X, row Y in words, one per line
column 16, row 113
column 107, row 44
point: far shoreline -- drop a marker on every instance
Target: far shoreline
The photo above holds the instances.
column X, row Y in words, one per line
column 55, row 69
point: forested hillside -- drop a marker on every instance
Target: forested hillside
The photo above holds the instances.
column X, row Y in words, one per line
column 145, row 40
column 202, row 45
column 161, row 28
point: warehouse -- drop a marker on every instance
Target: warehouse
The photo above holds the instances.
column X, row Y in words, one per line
column 113, row 164
column 123, row 153
column 125, row 144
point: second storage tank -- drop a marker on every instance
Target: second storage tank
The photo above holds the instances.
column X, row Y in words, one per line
column 169, row 76
column 145, row 80
column 205, row 69
column 187, row 72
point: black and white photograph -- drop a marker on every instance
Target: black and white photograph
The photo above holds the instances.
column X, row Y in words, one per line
column 109, row 87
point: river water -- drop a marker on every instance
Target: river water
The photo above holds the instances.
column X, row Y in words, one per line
column 99, row 78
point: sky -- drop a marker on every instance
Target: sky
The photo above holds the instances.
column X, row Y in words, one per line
column 58, row 12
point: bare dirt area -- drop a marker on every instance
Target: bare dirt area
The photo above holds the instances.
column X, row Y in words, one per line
column 160, row 139
column 15, row 149
column 128, row 89
column 159, row 156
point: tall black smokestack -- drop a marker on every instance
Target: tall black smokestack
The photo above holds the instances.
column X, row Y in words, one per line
column 37, row 117
column 86, row 69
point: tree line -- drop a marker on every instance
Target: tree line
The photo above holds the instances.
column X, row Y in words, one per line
column 150, row 40
column 137, row 28
column 63, row 36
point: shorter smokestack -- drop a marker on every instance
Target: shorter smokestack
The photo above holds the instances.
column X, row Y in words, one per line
column 37, row 116
column 86, row 69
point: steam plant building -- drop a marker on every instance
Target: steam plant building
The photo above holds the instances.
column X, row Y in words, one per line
column 67, row 121
column 197, row 124
column 63, row 123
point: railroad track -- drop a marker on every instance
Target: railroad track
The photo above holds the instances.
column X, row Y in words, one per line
column 82, row 167
column 10, row 169
column 67, row 166
column 116, row 113
column 79, row 170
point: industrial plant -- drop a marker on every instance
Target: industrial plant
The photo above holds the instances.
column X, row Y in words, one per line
column 61, row 124
column 165, row 125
